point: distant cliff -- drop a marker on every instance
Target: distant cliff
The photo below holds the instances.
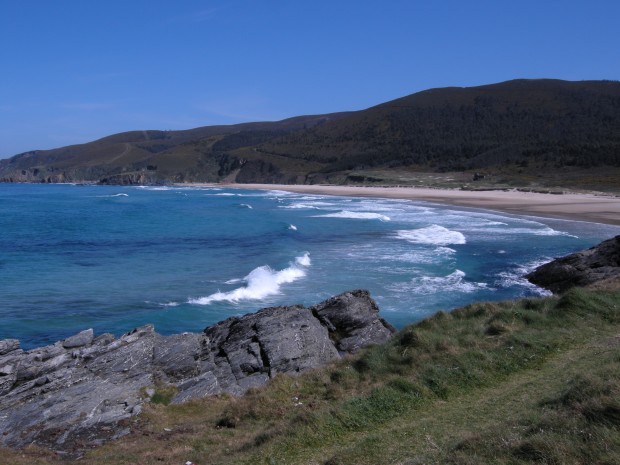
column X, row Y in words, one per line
column 82, row 391
column 540, row 131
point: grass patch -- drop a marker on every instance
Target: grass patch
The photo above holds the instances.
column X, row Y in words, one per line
column 163, row 395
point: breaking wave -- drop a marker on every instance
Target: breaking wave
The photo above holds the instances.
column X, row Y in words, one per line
column 355, row 215
column 113, row 195
column 516, row 277
column 262, row 282
column 432, row 235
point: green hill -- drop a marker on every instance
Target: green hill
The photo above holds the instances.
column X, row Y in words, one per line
column 521, row 132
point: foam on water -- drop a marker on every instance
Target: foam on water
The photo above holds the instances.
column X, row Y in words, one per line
column 355, row 215
column 542, row 230
column 292, row 227
column 432, row 235
column 112, row 195
column 515, row 277
column 303, row 260
column 156, row 188
column 401, row 253
column 262, row 282
column 427, row 285
column 300, row 206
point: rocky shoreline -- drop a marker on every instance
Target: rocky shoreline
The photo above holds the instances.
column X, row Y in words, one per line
column 83, row 391
column 594, row 266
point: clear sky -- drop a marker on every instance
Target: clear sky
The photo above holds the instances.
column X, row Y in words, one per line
column 72, row 71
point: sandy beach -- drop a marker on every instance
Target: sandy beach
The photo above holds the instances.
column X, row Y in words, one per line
column 576, row 207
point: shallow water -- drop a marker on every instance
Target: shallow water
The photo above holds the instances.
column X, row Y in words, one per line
column 112, row 258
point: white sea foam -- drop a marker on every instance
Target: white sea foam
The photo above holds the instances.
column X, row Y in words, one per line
column 304, row 260
column 156, row 188
column 113, row 195
column 170, row 304
column 279, row 193
column 426, row 285
column 432, row 235
column 355, row 215
column 516, row 277
column 402, row 253
column 546, row 231
column 540, row 231
column 260, row 283
column 245, row 205
column 300, row 206
column 292, row 227
column 226, row 194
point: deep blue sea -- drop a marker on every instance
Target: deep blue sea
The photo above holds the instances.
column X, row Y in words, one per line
column 112, row 258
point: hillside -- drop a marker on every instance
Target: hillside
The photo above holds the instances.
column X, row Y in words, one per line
column 532, row 381
column 521, row 132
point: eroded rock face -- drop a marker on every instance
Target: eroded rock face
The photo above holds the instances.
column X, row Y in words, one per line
column 82, row 391
column 583, row 268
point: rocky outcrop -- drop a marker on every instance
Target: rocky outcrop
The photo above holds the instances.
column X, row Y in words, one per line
column 82, row 391
column 599, row 263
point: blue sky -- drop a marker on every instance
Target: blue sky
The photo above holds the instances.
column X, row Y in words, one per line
column 72, row 71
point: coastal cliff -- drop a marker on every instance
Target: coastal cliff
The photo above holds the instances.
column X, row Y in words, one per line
column 82, row 391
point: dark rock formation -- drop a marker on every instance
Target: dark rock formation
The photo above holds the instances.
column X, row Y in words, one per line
column 82, row 391
column 598, row 263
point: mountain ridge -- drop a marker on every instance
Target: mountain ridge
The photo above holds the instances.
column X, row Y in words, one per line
column 525, row 131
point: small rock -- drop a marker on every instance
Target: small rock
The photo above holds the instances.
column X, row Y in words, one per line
column 7, row 370
column 80, row 339
column 8, row 345
column 41, row 381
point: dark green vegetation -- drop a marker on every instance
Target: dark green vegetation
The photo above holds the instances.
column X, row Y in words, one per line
column 530, row 381
column 537, row 133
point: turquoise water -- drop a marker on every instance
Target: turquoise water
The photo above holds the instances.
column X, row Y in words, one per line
column 112, row 258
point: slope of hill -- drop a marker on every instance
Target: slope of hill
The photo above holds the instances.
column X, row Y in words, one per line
column 530, row 381
column 537, row 132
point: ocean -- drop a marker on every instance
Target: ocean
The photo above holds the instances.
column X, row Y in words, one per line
column 112, row 258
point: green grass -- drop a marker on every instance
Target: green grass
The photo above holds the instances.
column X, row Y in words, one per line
column 529, row 381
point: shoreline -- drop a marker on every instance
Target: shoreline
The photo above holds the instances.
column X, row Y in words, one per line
column 574, row 207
